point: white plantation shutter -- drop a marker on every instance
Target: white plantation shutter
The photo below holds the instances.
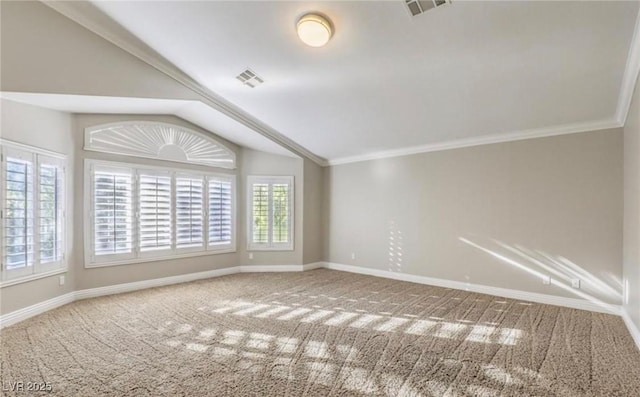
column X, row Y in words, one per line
column 271, row 213
column 153, row 213
column 190, row 212
column 50, row 210
column 220, row 213
column 280, row 210
column 155, row 223
column 32, row 212
column 18, row 226
column 113, row 212
column 260, row 211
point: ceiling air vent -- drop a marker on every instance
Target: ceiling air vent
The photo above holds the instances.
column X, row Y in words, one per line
column 248, row 77
column 417, row 7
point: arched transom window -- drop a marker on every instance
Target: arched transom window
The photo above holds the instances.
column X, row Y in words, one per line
column 159, row 141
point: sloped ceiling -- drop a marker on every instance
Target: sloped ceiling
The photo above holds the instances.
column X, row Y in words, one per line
column 193, row 111
column 388, row 81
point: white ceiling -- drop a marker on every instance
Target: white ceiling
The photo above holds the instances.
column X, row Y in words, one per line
column 193, row 111
column 388, row 81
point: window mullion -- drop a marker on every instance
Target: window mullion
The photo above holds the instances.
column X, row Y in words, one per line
column 173, row 209
column 2, row 213
column 290, row 209
column 136, row 208
column 62, row 199
column 35, row 207
column 206, row 204
column 92, row 210
column 250, row 213
column 270, row 215
column 56, row 216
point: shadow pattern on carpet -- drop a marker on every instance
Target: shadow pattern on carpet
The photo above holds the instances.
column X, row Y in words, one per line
column 319, row 333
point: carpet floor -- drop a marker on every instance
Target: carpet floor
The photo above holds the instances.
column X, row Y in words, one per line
column 318, row 333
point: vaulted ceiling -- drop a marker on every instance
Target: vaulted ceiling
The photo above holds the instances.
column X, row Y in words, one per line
column 388, row 81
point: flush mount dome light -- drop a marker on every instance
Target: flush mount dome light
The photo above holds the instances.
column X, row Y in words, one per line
column 314, row 30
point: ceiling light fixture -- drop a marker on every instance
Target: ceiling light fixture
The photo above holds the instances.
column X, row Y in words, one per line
column 314, row 30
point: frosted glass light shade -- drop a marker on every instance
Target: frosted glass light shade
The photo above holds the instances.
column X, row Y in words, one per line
column 314, row 30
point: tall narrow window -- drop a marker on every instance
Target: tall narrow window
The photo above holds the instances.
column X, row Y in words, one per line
column 155, row 211
column 113, row 213
column 31, row 213
column 189, row 212
column 220, row 213
column 271, row 213
column 18, row 213
column 50, row 211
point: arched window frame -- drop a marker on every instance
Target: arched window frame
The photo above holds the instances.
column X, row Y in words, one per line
column 159, row 141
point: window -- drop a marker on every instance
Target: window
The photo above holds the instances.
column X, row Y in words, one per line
column 159, row 141
column 138, row 214
column 220, row 216
column 32, row 191
column 190, row 212
column 270, row 213
column 112, row 208
column 154, row 212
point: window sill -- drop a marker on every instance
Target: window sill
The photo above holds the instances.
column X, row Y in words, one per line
column 269, row 249
column 32, row 277
column 89, row 265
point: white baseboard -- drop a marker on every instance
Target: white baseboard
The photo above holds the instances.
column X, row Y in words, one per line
column 280, row 268
column 156, row 282
column 633, row 328
column 483, row 289
column 270, row 268
column 314, row 265
column 30, row 311
column 33, row 310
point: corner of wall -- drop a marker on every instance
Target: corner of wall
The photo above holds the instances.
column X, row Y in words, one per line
column 631, row 228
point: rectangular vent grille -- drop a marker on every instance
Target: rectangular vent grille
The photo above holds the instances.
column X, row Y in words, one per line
column 249, row 78
column 417, row 7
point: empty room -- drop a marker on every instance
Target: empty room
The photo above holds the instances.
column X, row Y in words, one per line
column 412, row 198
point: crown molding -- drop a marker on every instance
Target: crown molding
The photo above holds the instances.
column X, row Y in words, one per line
column 483, row 140
column 631, row 71
column 91, row 18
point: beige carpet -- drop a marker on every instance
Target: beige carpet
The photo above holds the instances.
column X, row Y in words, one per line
column 319, row 333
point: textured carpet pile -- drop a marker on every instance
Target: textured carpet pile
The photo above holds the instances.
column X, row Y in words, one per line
column 319, row 333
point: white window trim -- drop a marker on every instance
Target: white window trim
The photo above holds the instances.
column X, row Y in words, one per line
column 37, row 154
column 124, row 138
column 270, row 246
column 174, row 253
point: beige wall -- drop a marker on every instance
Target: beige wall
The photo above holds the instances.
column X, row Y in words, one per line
column 631, row 267
column 51, row 130
column 70, row 59
column 553, row 201
column 313, row 236
column 260, row 163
